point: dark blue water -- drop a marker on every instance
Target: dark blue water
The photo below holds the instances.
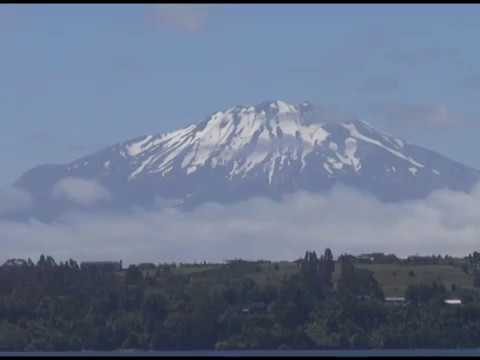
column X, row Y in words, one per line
column 265, row 353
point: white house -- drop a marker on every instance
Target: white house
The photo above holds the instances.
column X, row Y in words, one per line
column 395, row 300
column 453, row 301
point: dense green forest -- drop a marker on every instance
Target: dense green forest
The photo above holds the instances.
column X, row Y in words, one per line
column 312, row 303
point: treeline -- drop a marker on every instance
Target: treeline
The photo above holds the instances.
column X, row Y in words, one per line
column 382, row 258
column 50, row 306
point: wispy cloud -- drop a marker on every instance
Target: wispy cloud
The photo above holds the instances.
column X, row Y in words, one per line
column 80, row 191
column 190, row 18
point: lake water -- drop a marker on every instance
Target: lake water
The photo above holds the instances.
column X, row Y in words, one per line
column 267, row 353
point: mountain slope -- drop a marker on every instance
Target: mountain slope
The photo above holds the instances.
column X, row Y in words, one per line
column 269, row 149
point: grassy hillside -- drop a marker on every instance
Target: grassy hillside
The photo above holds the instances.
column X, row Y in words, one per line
column 394, row 279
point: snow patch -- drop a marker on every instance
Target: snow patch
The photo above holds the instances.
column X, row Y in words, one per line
column 399, row 143
column 356, row 134
column 140, row 168
column 336, row 164
column 283, row 107
column 191, row 169
column 326, row 167
column 137, row 147
column 349, row 157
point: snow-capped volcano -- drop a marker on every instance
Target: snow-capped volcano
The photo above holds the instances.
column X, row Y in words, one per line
column 269, row 149
column 258, row 140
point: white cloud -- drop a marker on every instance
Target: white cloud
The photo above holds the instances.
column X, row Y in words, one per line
column 80, row 191
column 344, row 220
column 191, row 18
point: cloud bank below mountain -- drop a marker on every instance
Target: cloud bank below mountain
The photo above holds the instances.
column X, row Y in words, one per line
column 446, row 222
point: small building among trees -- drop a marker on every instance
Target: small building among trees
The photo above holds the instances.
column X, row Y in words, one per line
column 453, row 301
column 395, row 300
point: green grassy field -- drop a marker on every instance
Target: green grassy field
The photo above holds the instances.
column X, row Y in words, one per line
column 394, row 279
column 192, row 269
column 271, row 274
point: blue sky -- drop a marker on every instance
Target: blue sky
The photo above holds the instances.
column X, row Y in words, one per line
column 76, row 78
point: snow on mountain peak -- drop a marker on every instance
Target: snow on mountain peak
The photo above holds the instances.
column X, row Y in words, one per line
column 265, row 137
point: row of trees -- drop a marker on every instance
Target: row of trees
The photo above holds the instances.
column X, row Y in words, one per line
column 51, row 306
column 382, row 258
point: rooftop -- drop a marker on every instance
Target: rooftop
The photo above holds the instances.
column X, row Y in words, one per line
column 395, row 298
column 453, row 301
